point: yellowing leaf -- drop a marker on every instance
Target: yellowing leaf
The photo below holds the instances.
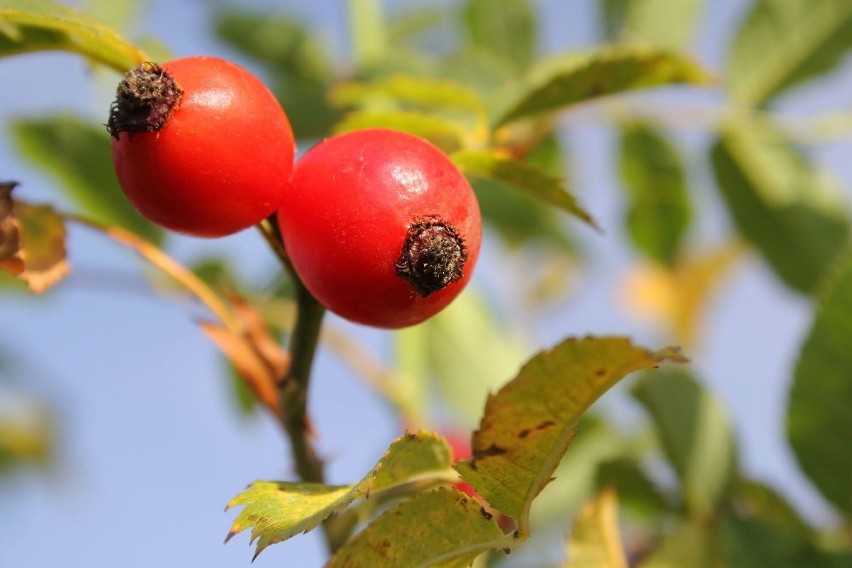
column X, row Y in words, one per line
column 40, row 25
column 529, row 424
column 522, row 177
column 259, row 373
column 276, row 511
column 606, row 71
column 679, row 296
column 32, row 241
column 442, row 527
column 595, row 540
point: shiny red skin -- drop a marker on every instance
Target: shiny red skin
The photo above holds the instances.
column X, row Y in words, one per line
column 222, row 160
column 346, row 215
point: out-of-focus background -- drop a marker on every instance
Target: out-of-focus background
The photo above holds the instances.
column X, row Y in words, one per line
column 146, row 439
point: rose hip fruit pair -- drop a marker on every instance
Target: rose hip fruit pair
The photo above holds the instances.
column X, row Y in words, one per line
column 379, row 225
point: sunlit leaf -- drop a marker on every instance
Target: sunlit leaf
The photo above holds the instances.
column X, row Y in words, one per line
column 792, row 214
column 606, row 71
column 529, row 424
column 41, row 25
column 818, row 412
column 595, row 540
column 522, row 177
column 658, row 208
column 660, row 22
column 32, row 241
column 782, row 43
column 408, row 91
column 694, row 433
column 519, row 218
column 276, row 511
column 505, row 28
column 77, row 154
column 443, row 527
column 443, row 133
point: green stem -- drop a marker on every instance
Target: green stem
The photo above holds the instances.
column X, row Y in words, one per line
column 295, row 385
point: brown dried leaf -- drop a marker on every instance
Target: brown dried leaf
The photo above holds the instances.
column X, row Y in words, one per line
column 259, row 337
column 32, row 241
column 255, row 354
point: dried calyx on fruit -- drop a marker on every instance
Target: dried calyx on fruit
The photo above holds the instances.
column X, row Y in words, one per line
column 432, row 257
column 145, row 98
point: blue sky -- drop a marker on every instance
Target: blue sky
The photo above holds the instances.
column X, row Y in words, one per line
column 151, row 447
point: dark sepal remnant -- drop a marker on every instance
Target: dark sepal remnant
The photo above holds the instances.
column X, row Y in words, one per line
column 144, row 100
column 433, row 255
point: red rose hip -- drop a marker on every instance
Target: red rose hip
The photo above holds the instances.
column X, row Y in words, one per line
column 381, row 227
column 200, row 145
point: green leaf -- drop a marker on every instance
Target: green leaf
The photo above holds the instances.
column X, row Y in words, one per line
column 408, row 91
column 782, row 43
column 818, row 412
column 523, row 177
column 465, row 351
column 442, row 527
column 634, row 488
column 505, row 28
column 276, row 511
column 27, row 432
column 299, row 65
column 791, row 213
column 445, row 134
column 519, row 218
column 40, row 25
column 695, row 435
column 658, row 208
column 595, row 540
column 763, row 502
column 756, row 544
column 528, row 425
column 689, row 545
column 77, row 154
column 660, row 22
column 606, row 71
